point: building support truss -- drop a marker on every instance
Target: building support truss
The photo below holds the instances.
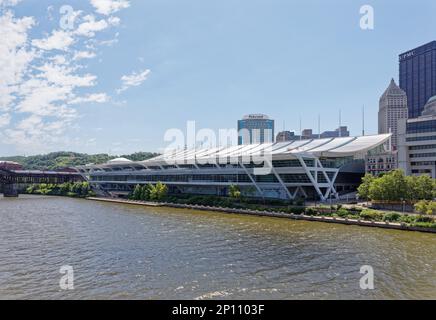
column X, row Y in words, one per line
column 314, row 179
column 253, row 181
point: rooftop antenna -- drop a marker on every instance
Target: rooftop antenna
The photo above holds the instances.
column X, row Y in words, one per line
column 319, row 126
column 340, row 123
column 301, row 130
column 363, row 121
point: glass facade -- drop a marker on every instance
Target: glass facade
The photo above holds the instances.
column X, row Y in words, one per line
column 421, row 127
column 255, row 129
column 418, row 77
column 296, row 171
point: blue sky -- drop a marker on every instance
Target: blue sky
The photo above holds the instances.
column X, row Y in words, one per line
column 130, row 70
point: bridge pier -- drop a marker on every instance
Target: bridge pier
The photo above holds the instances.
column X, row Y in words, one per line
column 10, row 190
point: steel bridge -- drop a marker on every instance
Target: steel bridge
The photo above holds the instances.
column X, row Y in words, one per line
column 11, row 179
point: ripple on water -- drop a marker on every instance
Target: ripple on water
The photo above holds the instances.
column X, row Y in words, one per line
column 127, row 252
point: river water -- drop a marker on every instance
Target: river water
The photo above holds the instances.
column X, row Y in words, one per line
column 129, row 252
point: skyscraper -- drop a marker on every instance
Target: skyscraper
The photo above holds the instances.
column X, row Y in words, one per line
column 286, row 136
column 417, row 142
column 393, row 106
column 255, row 128
column 418, row 76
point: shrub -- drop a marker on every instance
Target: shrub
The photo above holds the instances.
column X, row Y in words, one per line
column 355, row 209
column 343, row 213
column 311, row 212
column 409, row 219
column 424, row 225
column 371, row 215
column 425, row 219
column 391, row 217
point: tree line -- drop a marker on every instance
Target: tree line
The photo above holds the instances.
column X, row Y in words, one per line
column 396, row 186
column 61, row 160
column 150, row 192
column 68, row 189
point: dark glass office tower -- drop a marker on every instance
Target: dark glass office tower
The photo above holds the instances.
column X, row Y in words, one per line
column 418, row 76
column 255, row 128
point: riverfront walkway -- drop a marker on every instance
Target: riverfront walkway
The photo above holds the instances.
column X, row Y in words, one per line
column 362, row 223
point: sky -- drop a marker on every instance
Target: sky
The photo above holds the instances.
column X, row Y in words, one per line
column 113, row 76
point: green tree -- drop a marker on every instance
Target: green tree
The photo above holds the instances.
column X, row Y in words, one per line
column 424, row 188
column 363, row 189
column 158, row 191
column 391, row 187
column 64, row 188
column 426, row 207
column 145, row 192
column 137, row 193
column 31, row 189
column 85, row 189
column 235, row 192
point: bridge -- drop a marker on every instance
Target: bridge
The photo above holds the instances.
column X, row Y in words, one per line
column 11, row 179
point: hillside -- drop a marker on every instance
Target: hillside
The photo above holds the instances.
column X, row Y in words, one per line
column 58, row 160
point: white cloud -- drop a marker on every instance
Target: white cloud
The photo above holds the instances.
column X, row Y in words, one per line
column 42, row 77
column 133, row 80
column 7, row 3
column 84, row 55
column 40, row 81
column 95, row 97
column 63, row 76
column 107, row 7
column 109, row 43
column 5, row 119
column 14, row 56
column 90, row 26
column 58, row 40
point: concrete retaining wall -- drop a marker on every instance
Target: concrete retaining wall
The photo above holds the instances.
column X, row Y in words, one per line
column 384, row 225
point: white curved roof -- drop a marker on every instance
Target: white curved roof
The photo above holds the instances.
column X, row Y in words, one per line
column 120, row 160
column 331, row 147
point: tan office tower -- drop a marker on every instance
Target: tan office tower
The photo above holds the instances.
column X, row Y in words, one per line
column 393, row 107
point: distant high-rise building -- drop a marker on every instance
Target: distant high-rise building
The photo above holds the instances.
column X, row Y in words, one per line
column 255, row 128
column 339, row 132
column 286, row 136
column 418, row 76
column 392, row 107
column 308, row 134
column 417, row 142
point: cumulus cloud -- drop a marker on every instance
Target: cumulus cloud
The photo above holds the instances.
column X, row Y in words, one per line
column 14, row 56
column 133, row 80
column 7, row 3
column 90, row 26
column 95, row 97
column 84, row 55
column 58, row 40
column 108, row 7
column 42, row 78
column 4, row 119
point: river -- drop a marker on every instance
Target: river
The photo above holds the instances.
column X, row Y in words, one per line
column 132, row 252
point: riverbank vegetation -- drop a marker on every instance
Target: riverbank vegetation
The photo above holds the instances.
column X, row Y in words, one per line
column 69, row 189
column 159, row 193
column 150, row 192
column 355, row 213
